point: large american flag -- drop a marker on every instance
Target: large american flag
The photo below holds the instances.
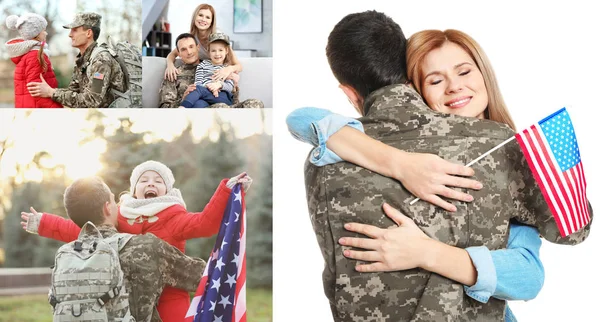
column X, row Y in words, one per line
column 551, row 149
column 221, row 294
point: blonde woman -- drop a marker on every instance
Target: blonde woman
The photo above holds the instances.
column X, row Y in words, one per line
column 450, row 70
column 203, row 24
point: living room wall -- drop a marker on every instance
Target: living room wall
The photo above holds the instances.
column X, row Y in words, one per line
column 180, row 14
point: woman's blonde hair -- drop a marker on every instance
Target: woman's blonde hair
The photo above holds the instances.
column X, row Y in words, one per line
column 203, row 35
column 423, row 42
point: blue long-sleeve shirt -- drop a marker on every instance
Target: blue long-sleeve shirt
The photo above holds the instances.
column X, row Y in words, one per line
column 514, row 273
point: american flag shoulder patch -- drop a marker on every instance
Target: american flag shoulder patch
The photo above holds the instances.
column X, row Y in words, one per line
column 98, row 75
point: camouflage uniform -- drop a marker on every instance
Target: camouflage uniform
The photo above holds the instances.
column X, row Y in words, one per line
column 92, row 80
column 171, row 93
column 149, row 264
column 343, row 192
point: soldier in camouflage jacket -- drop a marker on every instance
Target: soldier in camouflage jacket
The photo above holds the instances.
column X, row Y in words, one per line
column 342, row 193
column 171, row 93
column 148, row 263
column 93, row 75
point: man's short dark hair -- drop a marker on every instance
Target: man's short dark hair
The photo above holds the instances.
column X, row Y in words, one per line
column 183, row 36
column 95, row 31
column 367, row 51
column 84, row 200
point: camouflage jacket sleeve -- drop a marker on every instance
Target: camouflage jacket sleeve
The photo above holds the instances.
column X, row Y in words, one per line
column 74, row 84
column 169, row 96
column 93, row 95
column 319, row 217
column 177, row 269
column 532, row 208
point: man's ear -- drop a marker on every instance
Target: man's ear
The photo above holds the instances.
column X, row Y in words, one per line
column 106, row 209
column 355, row 99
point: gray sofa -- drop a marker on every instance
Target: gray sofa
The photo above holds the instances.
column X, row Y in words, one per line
column 256, row 79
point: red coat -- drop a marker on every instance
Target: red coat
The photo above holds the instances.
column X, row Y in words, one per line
column 174, row 225
column 28, row 70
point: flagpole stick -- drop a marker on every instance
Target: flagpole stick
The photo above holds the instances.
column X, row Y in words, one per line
column 478, row 158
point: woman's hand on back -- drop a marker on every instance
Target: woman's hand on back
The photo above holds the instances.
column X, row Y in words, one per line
column 171, row 72
column 428, row 177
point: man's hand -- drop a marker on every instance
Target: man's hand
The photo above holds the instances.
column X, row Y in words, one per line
column 214, row 87
column 188, row 90
column 41, row 89
column 392, row 249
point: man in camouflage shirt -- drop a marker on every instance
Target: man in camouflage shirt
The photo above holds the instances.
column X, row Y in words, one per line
column 148, row 263
column 93, row 77
column 172, row 93
column 341, row 193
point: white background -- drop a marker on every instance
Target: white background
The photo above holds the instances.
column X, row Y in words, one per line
column 545, row 56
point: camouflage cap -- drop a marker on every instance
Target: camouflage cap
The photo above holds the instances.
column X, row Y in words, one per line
column 85, row 18
column 218, row 36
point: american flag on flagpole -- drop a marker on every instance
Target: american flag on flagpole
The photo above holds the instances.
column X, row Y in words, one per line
column 221, row 294
column 551, row 149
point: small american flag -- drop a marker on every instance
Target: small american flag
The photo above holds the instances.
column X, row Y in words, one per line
column 221, row 294
column 552, row 152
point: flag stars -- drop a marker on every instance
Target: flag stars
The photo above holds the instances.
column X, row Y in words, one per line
column 218, row 319
column 230, row 280
column 216, row 284
column 238, row 196
column 224, row 301
column 236, row 260
column 219, row 264
column 212, row 306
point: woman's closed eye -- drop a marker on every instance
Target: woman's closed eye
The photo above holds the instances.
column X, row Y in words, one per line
column 463, row 73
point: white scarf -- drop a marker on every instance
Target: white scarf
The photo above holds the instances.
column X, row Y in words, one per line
column 138, row 210
column 22, row 47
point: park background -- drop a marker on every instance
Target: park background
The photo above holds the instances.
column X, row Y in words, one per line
column 121, row 20
column 42, row 152
column 545, row 56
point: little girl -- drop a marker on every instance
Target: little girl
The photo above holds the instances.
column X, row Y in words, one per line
column 209, row 91
column 27, row 52
column 152, row 205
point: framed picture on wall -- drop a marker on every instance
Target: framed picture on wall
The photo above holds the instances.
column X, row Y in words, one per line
column 247, row 16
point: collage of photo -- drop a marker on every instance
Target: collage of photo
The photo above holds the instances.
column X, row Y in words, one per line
column 331, row 161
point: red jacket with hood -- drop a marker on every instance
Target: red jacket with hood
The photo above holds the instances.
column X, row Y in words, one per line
column 24, row 53
column 174, row 225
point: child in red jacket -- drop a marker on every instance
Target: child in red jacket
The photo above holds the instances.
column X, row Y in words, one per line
column 27, row 52
column 152, row 206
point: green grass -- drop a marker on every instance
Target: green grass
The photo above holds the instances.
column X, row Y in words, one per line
column 35, row 308
column 259, row 304
column 26, row 308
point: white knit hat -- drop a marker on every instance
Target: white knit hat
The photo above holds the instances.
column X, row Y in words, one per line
column 151, row 165
column 29, row 24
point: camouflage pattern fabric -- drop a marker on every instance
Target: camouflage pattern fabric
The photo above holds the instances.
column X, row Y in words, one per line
column 92, row 81
column 343, row 192
column 129, row 58
column 171, row 93
column 91, row 19
column 149, row 264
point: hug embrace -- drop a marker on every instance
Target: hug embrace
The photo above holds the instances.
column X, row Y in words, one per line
column 434, row 93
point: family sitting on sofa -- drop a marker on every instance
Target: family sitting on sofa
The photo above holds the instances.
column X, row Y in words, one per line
column 208, row 75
